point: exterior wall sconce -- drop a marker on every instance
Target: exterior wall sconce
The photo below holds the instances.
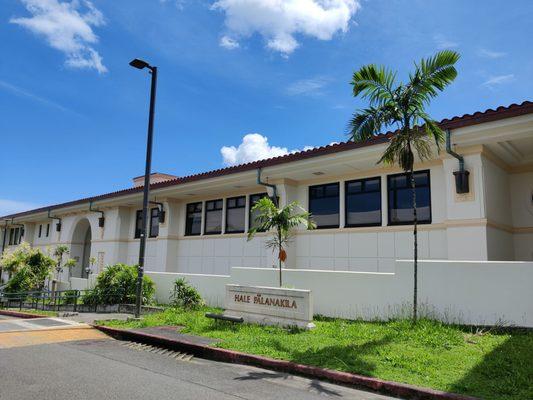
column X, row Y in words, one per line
column 461, row 181
column 58, row 225
column 101, row 219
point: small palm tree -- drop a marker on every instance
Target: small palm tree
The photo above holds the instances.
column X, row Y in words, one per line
column 403, row 106
column 59, row 251
column 282, row 221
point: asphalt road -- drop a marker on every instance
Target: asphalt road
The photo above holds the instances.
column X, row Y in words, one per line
column 107, row 369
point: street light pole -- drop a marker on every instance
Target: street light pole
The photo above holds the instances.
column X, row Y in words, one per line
column 146, row 193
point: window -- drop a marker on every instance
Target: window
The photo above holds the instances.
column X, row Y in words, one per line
column 324, row 205
column 252, row 223
column 363, row 202
column 40, row 230
column 154, row 222
column 235, row 213
column 213, row 217
column 193, row 224
column 15, row 236
column 138, row 223
column 401, row 198
column 47, row 230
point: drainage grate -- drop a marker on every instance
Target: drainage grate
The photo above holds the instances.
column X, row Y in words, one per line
column 158, row 350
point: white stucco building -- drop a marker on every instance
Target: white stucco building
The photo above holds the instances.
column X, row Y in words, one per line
column 475, row 245
column 362, row 208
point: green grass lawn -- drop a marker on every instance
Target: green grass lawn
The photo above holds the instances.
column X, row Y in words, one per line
column 486, row 364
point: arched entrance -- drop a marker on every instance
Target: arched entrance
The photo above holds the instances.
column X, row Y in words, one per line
column 80, row 248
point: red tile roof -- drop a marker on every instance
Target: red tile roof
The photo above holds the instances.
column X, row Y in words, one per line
column 488, row 115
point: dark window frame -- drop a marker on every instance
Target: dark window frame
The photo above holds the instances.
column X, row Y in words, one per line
column 11, row 236
column 40, row 229
column 419, row 222
column 188, row 227
column 346, row 194
column 47, row 230
column 206, row 211
column 251, row 205
column 154, row 216
column 138, row 224
column 334, row 226
column 236, row 207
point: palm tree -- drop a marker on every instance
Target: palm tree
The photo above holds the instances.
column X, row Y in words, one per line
column 283, row 221
column 403, row 106
column 58, row 253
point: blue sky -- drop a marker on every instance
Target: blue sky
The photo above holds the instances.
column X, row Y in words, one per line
column 73, row 113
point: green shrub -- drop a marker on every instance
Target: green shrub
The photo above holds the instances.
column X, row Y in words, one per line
column 28, row 268
column 185, row 295
column 116, row 284
column 69, row 296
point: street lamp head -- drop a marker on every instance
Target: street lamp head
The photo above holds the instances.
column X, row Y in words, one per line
column 139, row 64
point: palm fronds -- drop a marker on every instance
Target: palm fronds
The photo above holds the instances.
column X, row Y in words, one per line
column 402, row 106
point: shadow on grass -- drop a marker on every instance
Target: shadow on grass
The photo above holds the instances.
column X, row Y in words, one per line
column 348, row 357
column 504, row 373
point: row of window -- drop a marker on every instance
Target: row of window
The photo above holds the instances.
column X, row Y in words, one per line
column 362, row 207
column 15, row 236
column 363, row 201
column 235, row 215
column 153, row 223
column 46, row 230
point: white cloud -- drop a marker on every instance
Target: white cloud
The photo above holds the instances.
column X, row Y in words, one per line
column 499, row 80
column 8, row 207
column 444, row 43
column 228, row 43
column 490, row 54
column 67, row 27
column 253, row 147
column 310, row 86
column 279, row 21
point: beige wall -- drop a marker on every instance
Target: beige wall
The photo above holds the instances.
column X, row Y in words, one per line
column 466, row 292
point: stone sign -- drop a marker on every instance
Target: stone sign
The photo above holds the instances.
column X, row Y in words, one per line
column 270, row 306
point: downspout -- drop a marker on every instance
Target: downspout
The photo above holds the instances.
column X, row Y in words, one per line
column 4, row 239
column 3, row 248
column 58, row 225
column 461, row 176
column 273, row 187
column 101, row 220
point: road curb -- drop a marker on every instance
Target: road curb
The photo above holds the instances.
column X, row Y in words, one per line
column 20, row 314
column 378, row 385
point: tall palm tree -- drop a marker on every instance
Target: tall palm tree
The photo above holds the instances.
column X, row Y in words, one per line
column 403, row 106
column 283, row 221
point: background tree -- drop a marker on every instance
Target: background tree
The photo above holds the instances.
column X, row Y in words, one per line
column 58, row 253
column 282, row 221
column 403, row 106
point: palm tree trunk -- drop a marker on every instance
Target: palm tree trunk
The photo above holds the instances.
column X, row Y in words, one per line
column 415, row 247
column 279, row 256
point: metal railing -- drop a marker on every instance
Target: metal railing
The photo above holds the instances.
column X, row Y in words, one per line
column 58, row 300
